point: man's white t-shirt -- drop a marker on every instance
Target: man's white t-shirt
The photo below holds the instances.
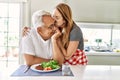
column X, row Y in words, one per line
column 33, row 44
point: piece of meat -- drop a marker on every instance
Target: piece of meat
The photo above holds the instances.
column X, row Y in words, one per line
column 39, row 67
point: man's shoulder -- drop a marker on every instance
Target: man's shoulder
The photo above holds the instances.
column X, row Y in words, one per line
column 32, row 32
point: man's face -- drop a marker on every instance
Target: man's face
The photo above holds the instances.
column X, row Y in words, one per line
column 49, row 25
column 48, row 20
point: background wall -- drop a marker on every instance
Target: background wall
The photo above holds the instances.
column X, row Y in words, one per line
column 47, row 5
column 33, row 5
column 96, row 11
column 104, row 11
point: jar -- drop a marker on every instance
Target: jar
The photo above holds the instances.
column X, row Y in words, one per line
column 66, row 70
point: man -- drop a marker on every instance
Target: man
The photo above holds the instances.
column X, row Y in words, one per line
column 36, row 46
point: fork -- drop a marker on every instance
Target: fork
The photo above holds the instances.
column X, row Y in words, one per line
column 26, row 69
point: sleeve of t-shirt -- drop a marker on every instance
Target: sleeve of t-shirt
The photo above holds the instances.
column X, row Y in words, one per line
column 27, row 46
column 75, row 34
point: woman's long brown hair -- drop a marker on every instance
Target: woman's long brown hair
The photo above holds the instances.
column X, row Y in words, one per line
column 66, row 13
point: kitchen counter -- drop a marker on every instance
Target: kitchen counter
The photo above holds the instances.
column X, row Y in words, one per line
column 89, row 72
column 103, row 58
column 103, row 53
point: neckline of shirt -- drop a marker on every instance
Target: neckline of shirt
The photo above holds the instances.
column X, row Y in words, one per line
column 39, row 36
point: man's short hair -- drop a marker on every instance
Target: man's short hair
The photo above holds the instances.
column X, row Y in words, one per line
column 37, row 17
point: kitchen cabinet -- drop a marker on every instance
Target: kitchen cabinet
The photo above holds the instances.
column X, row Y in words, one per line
column 103, row 58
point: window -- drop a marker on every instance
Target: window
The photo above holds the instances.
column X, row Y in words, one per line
column 9, row 33
column 116, row 37
column 107, row 33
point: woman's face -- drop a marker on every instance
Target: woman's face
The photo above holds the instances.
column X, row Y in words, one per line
column 59, row 21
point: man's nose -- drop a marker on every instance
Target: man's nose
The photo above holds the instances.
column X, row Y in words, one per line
column 55, row 28
column 55, row 22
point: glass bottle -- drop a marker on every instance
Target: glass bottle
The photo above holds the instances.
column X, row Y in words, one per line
column 66, row 69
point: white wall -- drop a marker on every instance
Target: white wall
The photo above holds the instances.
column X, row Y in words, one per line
column 47, row 5
column 101, row 11
column 33, row 5
column 106, row 11
column 13, row 0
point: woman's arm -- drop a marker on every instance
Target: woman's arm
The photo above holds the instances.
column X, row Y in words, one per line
column 25, row 31
column 72, row 47
column 58, row 49
column 57, row 53
column 75, row 38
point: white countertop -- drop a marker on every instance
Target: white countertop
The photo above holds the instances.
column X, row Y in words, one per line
column 103, row 53
column 89, row 72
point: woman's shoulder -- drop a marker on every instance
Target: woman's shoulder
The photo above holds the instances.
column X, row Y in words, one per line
column 76, row 29
column 76, row 33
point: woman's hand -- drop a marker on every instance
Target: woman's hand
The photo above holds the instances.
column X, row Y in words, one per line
column 57, row 34
column 25, row 31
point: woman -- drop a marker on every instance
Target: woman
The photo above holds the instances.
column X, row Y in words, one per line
column 68, row 39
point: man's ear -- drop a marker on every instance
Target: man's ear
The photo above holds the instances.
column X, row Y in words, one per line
column 43, row 18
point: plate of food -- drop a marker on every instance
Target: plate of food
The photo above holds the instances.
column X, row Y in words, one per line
column 46, row 66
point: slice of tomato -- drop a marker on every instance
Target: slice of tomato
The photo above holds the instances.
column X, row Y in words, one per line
column 47, row 68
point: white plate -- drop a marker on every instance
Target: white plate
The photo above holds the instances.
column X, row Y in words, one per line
column 33, row 67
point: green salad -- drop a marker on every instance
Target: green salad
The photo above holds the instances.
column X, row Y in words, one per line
column 52, row 64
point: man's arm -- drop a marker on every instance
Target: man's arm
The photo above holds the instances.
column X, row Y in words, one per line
column 28, row 50
column 31, row 59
